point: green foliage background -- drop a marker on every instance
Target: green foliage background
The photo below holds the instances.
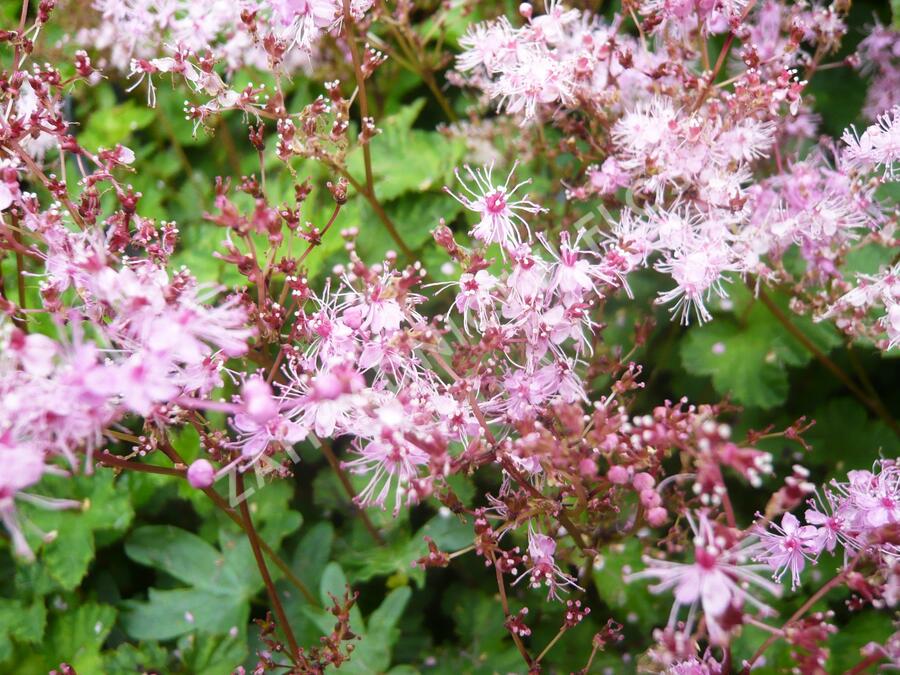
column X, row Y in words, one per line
column 150, row 577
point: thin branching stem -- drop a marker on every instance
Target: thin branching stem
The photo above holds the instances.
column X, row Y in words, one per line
column 264, row 572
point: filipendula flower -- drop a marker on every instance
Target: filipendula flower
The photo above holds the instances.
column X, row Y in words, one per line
column 721, row 577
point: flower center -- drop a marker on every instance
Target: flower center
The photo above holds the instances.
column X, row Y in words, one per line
column 495, row 202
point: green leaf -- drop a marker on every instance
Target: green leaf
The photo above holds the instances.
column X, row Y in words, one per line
column 844, row 437
column 129, row 659
column 312, row 553
column 196, row 244
column 447, row 531
column 631, row 601
column 749, row 360
column 854, row 635
column 384, row 619
column 115, row 124
column 744, row 363
column 169, row 613
column 373, row 653
column 21, row 623
column 415, row 216
column 222, row 582
column 478, row 620
column 272, row 513
column 406, row 159
column 210, row 655
column 177, row 552
column 334, row 583
column 308, row 563
column 77, row 636
column 69, row 551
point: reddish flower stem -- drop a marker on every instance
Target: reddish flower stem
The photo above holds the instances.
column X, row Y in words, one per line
column 363, row 101
column 264, row 572
column 720, row 61
column 222, row 505
column 835, row 581
column 110, row 460
column 501, row 588
column 873, row 404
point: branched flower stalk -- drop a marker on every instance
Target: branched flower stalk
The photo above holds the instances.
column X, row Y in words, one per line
column 608, row 175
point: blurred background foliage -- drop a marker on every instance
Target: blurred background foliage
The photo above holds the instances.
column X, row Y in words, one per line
column 126, row 586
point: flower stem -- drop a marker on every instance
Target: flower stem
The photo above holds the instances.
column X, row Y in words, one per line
column 363, row 100
column 222, row 505
column 20, row 274
column 551, row 644
column 812, row 600
column 108, row 459
column 379, row 211
column 264, row 571
column 274, row 557
column 501, row 587
column 873, row 404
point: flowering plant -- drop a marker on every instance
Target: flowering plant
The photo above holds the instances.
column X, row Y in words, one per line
column 449, row 336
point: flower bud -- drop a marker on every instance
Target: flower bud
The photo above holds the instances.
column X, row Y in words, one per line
column 328, row 386
column 353, row 317
column 617, row 475
column 657, row 516
column 201, row 474
column 650, row 499
column 642, row 481
column 587, row 467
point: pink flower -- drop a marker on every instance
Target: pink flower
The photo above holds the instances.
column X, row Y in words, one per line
column 258, row 402
column 719, row 577
column 23, row 466
column 390, row 460
column 573, row 273
column 475, row 297
column 256, row 438
column 144, row 380
column 877, row 147
column 376, row 311
column 608, row 178
column 543, row 570
column 697, row 271
column 487, row 45
column 495, row 206
column 829, row 526
column 876, row 497
column 788, row 548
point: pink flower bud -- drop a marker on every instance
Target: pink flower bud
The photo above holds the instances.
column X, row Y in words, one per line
column 201, row 474
column 526, row 10
column 650, row 499
column 617, row 475
column 258, row 401
column 587, row 467
column 642, row 481
column 657, row 516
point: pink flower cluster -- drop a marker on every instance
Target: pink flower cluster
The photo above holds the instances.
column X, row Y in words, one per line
column 712, row 175
column 879, row 58
column 228, row 30
column 861, row 514
column 707, row 205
